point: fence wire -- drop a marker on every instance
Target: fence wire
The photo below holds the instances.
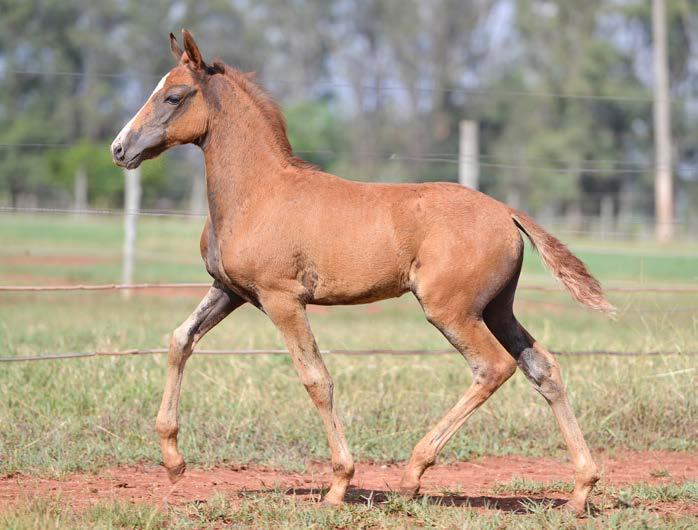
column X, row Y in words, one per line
column 146, row 286
column 355, row 353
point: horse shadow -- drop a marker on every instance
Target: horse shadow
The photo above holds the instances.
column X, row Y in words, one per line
column 517, row 504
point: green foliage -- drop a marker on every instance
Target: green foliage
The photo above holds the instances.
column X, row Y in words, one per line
column 313, row 124
column 105, row 180
column 115, row 51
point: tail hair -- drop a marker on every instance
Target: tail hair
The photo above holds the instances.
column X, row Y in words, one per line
column 567, row 267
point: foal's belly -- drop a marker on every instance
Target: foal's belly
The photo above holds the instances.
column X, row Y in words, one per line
column 357, row 276
column 345, row 292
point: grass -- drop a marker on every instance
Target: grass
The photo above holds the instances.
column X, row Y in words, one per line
column 522, row 486
column 86, row 414
column 664, row 492
column 277, row 510
column 685, row 492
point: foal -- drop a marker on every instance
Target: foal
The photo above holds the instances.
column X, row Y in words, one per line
column 281, row 234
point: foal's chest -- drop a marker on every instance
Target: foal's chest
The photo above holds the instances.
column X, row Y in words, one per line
column 213, row 258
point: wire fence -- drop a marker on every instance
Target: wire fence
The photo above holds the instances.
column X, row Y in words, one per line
column 354, row 353
column 463, row 91
column 603, row 167
column 686, row 289
column 635, row 226
column 493, row 162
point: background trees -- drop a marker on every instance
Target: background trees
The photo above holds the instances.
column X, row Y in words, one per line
column 374, row 88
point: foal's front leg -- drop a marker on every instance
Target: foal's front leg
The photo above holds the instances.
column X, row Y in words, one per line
column 216, row 305
column 290, row 318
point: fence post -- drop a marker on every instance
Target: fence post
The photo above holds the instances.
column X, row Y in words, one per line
column 663, row 188
column 132, row 201
column 80, row 191
column 468, row 156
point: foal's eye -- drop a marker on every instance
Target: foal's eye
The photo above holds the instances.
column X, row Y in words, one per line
column 173, row 100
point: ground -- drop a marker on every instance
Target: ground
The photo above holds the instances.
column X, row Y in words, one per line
column 66, row 423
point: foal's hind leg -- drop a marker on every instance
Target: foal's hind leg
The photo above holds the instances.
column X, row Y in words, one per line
column 290, row 318
column 491, row 366
column 542, row 369
column 216, row 305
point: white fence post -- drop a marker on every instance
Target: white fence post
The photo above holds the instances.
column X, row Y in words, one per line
column 663, row 186
column 132, row 202
column 468, row 156
column 80, row 191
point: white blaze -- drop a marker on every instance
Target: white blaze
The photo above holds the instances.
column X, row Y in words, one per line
column 124, row 132
column 159, row 86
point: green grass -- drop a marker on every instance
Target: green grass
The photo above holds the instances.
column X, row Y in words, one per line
column 522, row 486
column 86, row 414
column 686, row 492
column 664, row 492
column 277, row 510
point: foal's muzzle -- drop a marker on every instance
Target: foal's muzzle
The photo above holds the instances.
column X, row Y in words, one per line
column 130, row 147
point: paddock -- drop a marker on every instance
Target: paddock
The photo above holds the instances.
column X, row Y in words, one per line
column 81, row 428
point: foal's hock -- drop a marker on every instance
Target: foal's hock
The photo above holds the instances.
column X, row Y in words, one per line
column 281, row 234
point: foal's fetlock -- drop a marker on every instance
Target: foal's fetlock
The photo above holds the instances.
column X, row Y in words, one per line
column 588, row 476
column 585, row 479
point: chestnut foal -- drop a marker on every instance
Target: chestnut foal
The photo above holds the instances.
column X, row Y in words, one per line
column 281, row 234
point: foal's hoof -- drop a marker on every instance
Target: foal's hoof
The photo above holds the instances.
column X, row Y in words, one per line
column 408, row 491
column 575, row 508
column 332, row 500
column 176, row 472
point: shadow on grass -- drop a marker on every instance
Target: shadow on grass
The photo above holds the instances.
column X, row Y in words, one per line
column 512, row 504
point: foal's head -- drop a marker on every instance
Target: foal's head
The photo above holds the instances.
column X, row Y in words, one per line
column 177, row 111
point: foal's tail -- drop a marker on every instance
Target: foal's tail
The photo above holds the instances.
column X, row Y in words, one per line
column 567, row 267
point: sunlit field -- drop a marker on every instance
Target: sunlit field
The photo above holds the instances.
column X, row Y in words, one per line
column 89, row 414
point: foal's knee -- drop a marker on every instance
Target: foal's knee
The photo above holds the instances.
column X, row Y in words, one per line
column 344, row 468
column 319, row 385
column 494, row 374
column 181, row 344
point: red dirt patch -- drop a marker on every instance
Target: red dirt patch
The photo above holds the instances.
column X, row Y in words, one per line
column 461, row 483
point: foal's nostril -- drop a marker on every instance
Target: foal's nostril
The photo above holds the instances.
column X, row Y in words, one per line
column 119, row 151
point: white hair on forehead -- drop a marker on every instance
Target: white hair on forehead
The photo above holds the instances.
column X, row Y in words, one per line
column 127, row 127
column 159, row 86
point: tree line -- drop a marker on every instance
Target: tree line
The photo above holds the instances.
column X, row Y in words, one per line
column 372, row 90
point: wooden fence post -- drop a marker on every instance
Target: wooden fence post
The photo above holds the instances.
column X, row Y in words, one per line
column 663, row 187
column 468, row 156
column 132, row 202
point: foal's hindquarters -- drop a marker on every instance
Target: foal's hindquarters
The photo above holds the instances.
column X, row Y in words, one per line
column 472, row 305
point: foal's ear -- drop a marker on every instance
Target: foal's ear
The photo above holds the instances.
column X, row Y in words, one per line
column 192, row 50
column 174, row 47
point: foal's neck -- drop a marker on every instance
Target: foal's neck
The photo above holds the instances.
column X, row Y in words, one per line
column 242, row 154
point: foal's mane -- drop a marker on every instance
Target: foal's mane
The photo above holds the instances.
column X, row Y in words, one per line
column 270, row 110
